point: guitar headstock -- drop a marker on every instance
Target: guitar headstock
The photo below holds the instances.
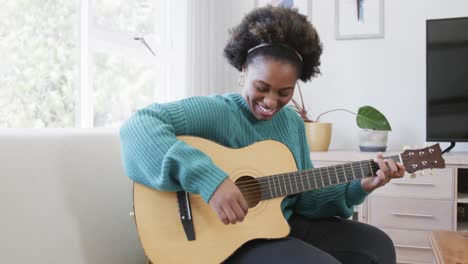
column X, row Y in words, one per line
column 425, row 158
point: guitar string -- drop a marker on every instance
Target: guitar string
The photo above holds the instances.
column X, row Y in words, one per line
column 259, row 191
column 282, row 188
column 254, row 185
column 346, row 171
column 341, row 178
column 357, row 164
column 257, row 188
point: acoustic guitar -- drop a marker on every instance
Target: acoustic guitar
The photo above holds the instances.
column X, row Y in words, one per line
column 183, row 228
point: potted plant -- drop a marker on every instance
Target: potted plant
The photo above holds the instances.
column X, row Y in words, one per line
column 373, row 133
column 318, row 134
column 374, row 128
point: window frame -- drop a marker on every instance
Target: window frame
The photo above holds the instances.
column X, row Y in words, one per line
column 171, row 54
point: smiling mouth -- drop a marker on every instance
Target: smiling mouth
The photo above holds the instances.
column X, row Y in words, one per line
column 266, row 111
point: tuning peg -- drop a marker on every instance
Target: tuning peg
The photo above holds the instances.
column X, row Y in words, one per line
column 405, row 147
column 422, row 173
column 416, row 146
column 131, row 214
column 413, row 175
column 431, row 173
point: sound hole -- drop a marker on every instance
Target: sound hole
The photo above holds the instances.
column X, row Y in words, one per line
column 251, row 190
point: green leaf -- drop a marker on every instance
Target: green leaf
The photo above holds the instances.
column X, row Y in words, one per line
column 370, row 118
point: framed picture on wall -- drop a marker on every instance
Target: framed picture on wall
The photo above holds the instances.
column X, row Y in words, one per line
column 359, row 19
column 303, row 6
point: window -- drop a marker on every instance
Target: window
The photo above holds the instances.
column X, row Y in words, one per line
column 77, row 63
column 38, row 72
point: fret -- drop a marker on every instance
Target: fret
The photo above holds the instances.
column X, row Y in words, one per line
column 395, row 158
column 285, row 186
column 336, row 173
column 308, row 181
column 298, row 190
column 370, row 168
column 274, row 185
column 269, row 185
column 295, row 180
column 362, row 170
column 359, row 171
column 333, row 180
column 290, row 185
column 279, row 185
column 328, row 173
column 321, row 176
column 315, row 178
column 302, row 182
column 352, row 170
column 344, row 173
column 398, row 158
column 326, row 177
column 271, row 180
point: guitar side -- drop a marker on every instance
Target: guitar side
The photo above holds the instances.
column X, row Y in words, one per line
column 158, row 220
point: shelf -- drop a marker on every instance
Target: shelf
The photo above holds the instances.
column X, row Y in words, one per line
column 462, row 198
column 462, row 226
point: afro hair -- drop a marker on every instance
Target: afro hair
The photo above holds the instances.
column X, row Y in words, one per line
column 276, row 25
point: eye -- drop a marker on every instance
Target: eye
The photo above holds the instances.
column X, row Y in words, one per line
column 284, row 94
column 261, row 89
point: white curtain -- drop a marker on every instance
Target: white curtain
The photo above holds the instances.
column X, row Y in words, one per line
column 208, row 71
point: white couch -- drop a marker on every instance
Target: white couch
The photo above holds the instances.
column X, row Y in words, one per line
column 64, row 198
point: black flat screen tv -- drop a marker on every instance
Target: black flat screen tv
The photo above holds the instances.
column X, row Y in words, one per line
column 447, row 80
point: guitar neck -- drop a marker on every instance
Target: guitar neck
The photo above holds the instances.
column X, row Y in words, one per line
column 285, row 184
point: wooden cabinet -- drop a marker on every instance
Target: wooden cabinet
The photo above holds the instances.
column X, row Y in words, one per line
column 408, row 209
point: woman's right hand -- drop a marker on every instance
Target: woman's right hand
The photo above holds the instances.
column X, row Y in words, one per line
column 229, row 203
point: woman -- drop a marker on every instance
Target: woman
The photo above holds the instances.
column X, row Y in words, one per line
column 273, row 47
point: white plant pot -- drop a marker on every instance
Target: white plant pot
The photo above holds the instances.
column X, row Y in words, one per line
column 373, row 140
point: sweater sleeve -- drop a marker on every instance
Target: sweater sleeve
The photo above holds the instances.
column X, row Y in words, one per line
column 337, row 200
column 153, row 156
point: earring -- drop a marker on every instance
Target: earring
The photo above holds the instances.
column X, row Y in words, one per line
column 242, row 79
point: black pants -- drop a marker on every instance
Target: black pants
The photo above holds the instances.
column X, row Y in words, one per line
column 330, row 240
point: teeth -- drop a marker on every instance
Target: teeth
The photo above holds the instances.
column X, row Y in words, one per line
column 265, row 109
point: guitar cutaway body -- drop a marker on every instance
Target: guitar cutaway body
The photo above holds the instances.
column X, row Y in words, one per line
column 158, row 220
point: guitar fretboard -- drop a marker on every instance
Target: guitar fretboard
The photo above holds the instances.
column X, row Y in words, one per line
column 284, row 184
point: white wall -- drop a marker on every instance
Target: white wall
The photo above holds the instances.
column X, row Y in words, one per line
column 388, row 73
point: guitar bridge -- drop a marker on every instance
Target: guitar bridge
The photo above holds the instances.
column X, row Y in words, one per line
column 185, row 211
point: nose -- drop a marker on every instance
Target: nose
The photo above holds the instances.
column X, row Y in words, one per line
column 270, row 101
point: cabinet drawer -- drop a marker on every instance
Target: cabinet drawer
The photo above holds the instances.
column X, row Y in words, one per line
column 437, row 186
column 410, row 213
column 411, row 245
column 409, row 255
column 409, row 238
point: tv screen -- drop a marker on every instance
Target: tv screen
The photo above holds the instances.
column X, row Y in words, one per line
column 447, row 80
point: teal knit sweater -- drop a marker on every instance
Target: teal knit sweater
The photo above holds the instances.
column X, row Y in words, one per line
column 153, row 156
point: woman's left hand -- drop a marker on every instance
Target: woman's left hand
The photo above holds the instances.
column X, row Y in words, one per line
column 388, row 170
